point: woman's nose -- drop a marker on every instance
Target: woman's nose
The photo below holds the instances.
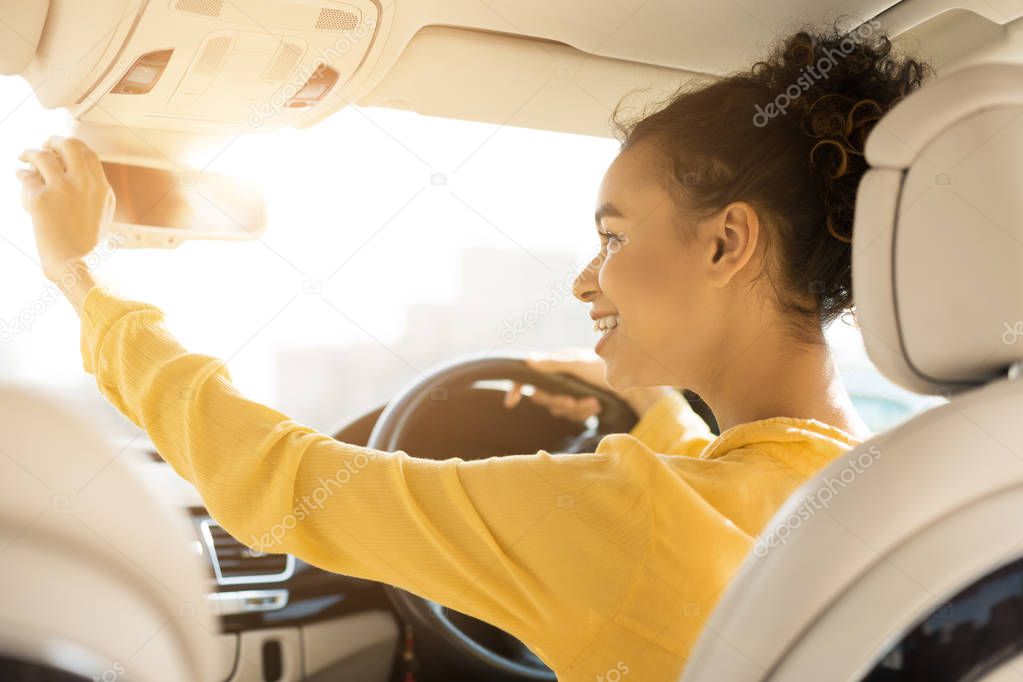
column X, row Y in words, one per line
column 585, row 286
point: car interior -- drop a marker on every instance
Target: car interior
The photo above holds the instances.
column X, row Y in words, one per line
column 111, row 566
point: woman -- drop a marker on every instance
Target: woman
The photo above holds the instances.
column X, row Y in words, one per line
column 724, row 226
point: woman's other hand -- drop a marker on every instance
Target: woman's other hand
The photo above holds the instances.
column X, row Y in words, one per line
column 69, row 199
column 589, row 367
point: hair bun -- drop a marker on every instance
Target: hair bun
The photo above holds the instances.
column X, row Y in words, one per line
column 846, row 82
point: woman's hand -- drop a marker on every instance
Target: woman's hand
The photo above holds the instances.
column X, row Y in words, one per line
column 588, row 366
column 69, row 199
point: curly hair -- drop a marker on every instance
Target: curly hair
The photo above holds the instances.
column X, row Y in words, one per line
column 787, row 137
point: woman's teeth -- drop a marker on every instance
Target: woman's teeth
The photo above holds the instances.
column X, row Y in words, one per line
column 605, row 324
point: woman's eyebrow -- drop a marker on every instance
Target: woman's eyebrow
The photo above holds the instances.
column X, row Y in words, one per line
column 606, row 210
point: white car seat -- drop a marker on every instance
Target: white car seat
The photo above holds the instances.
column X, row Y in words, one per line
column 98, row 580
column 895, row 537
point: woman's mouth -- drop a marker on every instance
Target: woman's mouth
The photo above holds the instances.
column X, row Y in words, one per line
column 605, row 326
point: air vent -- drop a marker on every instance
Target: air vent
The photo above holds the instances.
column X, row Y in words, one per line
column 234, row 563
column 208, row 8
column 332, row 19
column 284, row 63
column 213, row 54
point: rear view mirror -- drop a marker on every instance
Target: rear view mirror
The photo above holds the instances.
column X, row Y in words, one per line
column 161, row 207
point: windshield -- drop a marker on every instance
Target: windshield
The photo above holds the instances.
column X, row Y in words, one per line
column 395, row 242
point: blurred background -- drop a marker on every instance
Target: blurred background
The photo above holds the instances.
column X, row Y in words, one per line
column 395, row 242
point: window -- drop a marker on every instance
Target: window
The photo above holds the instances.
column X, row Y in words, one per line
column 880, row 403
column 977, row 631
column 395, row 242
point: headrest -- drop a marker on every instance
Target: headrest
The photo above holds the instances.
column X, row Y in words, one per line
column 937, row 260
column 103, row 580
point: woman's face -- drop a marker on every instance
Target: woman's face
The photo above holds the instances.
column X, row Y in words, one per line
column 650, row 280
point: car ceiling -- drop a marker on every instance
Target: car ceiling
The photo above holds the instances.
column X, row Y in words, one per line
column 690, row 35
column 559, row 65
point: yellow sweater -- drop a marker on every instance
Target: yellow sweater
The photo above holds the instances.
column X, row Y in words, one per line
column 602, row 563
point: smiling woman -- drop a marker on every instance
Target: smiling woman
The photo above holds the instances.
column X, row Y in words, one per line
column 439, row 238
column 603, row 561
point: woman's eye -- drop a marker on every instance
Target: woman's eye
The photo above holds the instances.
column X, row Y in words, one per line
column 608, row 237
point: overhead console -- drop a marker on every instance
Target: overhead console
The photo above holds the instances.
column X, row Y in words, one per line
column 201, row 66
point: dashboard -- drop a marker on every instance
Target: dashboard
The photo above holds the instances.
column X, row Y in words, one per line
column 283, row 619
column 253, row 590
column 280, row 618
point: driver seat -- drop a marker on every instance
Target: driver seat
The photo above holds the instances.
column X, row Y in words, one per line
column 902, row 560
column 99, row 581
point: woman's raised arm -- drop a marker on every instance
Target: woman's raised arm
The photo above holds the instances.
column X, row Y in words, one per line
column 529, row 543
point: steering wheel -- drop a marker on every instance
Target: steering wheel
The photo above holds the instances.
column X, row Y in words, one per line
column 499, row 653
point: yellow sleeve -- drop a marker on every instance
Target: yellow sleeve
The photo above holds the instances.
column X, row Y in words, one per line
column 547, row 547
column 670, row 426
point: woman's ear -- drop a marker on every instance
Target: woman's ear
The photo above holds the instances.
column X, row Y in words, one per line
column 734, row 233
